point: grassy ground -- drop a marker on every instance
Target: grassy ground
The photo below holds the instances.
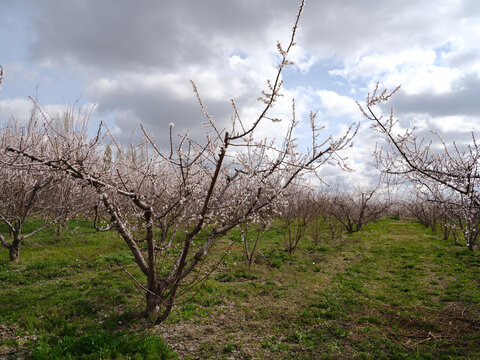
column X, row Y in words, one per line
column 392, row 291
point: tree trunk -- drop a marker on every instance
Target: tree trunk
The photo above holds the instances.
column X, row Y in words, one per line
column 60, row 225
column 471, row 242
column 14, row 253
column 153, row 305
column 158, row 308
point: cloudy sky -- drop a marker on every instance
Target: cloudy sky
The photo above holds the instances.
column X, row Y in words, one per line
column 134, row 61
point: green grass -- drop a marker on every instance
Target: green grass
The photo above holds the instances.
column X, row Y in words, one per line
column 62, row 289
column 391, row 291
column 102, row 345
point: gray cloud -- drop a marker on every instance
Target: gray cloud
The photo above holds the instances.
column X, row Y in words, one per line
column 353, row 28
column 124, row 35
column 462, row 101
column 156, row 110
column 121, row 40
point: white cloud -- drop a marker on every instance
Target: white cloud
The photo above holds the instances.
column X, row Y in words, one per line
column 426, row 79
column 16, row 108
column 337, row 105
column 449, row 124
column 302, row 58
column 414, row 69
column 21, row 110
column 376, row 65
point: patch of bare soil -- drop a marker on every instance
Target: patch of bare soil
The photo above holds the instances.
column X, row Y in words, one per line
column 11, row 342
column 449, row 326
column 230, row 335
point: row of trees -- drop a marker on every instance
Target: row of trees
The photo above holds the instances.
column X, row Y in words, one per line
column 451, row 216
column 33, row 192
column 29, row 192
column 302, row 211
column 445, row 176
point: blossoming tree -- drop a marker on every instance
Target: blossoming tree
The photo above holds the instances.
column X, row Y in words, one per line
column 450, row 168
column 173, row 205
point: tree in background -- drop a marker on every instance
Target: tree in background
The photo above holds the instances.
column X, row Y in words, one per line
column 26, row 191
column 355, row 208
column 297, row 210
column 452, row 168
